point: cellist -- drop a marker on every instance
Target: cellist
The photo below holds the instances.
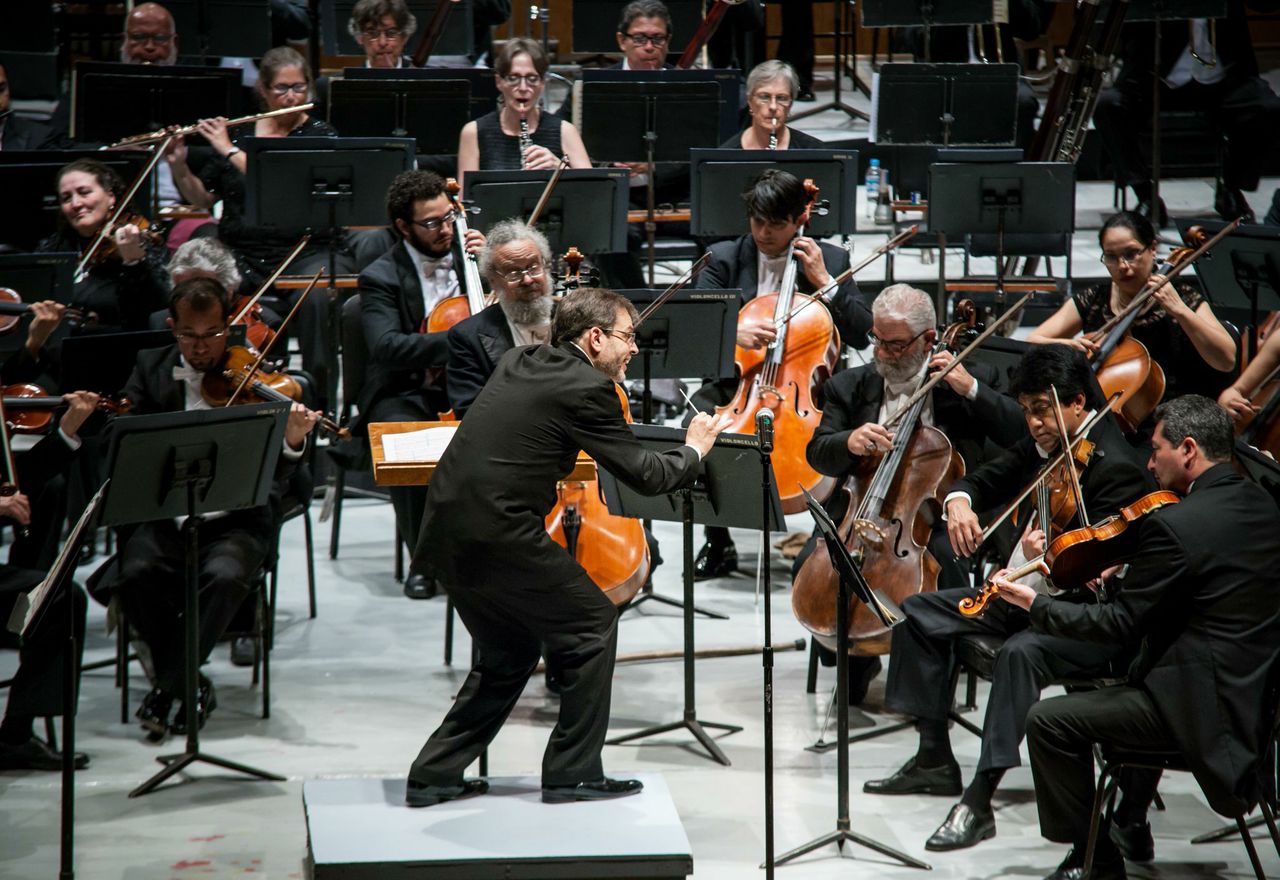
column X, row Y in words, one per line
column 922, row 653
column 777, row 206
column 1181, row 332
column 857, row 402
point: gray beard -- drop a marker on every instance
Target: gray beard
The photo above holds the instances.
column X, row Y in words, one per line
column 902, row 370
column 520, row 312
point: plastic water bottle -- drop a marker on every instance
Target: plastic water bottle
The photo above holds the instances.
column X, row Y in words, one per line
column 884, row 199
column 872, row 186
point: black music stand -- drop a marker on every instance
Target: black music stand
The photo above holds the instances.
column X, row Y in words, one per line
column 726, row 494
column 653, row 120
column 235, row 28
column 37, row 71
column 851, row 584
column 947, row 105
column 430, row 112
column 720, row 177
column 587, row 209
column 185, row 464
column 845, row 23
column 1160, row 11
column 1241, row 275
column 110, row 101
column 26, row 612
column 729, row 80
column 1032, row 198
column 925, row 14
column 484, row 86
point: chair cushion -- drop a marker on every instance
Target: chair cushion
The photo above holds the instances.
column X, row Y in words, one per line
column 978, row 652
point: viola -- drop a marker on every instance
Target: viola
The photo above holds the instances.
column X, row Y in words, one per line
column 107, row 250
column 28, row 408
column 13, row 308
column 453, row 309
column 239, row 378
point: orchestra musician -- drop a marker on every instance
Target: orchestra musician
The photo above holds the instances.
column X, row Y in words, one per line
column 18, row 132
column 383, row 28
column 772, row 87
column 644, row 35
column 233, row 545
column 125, row 283
column 923, row 646
column 1180, row 332
column 1237, row 398
column 776, row 205
column 856, row 402
column 1204, row 65
column 397, row 294
column 36, row 689
column 494, row 141
column 150, row 36
column 517, row 591
column 1199, row 602
column 514, row 262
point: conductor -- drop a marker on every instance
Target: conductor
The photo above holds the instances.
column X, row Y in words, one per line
column 484, row 537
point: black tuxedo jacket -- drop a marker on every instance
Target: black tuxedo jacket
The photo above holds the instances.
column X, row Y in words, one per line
column 1114, row 477
column 484, row 523
column 24, row 134
column 475, row 347
column 1201, row 597
column 733, row 265
column 391, row 311
column 851, row 398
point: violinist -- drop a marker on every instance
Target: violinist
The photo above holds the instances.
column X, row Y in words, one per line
column 519, row 134
column 776, row 204
column 383, row 28
column 518, row 592
column 857, row 401
column 1201, row 585
column 1180, row 332
column 36, row 689
column 1238, row 399
column 127, row 282
column 922, row 653
column 233, row 545
column 772, row 87
column 514, row 262
column 397, row 294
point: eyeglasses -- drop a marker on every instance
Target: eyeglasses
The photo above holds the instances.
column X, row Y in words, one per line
column 529, row 79
column 433, row 225
column 1128, row 258
column 766, row 100
column 158, row 39
column 385, row 33
column 283, row 89
column 627, row 336
column 513, row 276
column 894, row 346
column 658, row 40
column 194, row 338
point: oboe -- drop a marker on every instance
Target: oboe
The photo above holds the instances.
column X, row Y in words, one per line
column 773, row 133
column 525, row 141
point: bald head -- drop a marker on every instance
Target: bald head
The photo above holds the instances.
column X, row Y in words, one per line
column 149, row 36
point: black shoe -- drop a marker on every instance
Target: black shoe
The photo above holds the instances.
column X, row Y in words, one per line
column 35, row 754
column 154, row 711
column 912, row 779
column 964, row 828
column 418, row 795
column 1146, row 209
column 806, row 95
column 601, row 789
column 419, row 586
column 715, row 561
column 1134, row 841
column 859, row 683
column 1231, row 204
column 206, row 702
column 244, row 651
column 1105, row 867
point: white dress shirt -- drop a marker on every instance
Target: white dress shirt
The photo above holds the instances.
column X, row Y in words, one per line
column 1187, row 69
column 435, row 275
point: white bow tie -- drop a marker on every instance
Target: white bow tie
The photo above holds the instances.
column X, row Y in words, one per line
column 184, row 373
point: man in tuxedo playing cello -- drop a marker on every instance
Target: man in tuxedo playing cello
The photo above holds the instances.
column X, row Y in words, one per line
column 519, row 593
column 965, row 406
column 777, row 206
column 397, row 294
column 922, row 654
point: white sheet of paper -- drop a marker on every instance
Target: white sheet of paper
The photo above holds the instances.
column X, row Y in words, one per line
column 425, row 445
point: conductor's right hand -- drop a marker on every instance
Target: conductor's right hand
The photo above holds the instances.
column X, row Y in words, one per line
column 704, row 429
column 963, row 528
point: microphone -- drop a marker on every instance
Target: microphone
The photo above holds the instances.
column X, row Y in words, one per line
column 764, row 429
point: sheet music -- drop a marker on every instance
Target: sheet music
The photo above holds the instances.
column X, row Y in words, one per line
column 426, row 445
column 1000, row 11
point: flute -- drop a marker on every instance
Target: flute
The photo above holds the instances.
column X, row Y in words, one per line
column 174, row 131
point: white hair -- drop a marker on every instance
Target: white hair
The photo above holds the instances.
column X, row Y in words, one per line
column 207, row 255
column 903, row 302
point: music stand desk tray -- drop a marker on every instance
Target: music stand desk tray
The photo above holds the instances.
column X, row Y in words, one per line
column 419, row 473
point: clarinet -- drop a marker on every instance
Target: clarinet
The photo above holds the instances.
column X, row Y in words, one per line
column 525, row 141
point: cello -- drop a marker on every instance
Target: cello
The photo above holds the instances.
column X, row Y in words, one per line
column 784, row 377
column 471, row 301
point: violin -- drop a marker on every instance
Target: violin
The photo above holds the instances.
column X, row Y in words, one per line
column 239, row 378
column 784, row 376
column 248, row 311
column 28, row 408
column 451, row 310
column 1076, row 557
column 13, row 308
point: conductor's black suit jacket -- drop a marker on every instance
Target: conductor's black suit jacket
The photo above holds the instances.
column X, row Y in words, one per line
column 475, row 347
column 1201, row 596
column 484, row 525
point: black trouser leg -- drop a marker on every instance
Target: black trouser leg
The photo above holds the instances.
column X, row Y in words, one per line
column 795, row 46
column 1117, row 117
column 37, row 684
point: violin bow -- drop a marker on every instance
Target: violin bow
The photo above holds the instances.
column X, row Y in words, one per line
column 266, row 349
column 680, row 282
column 266, row 285
column 121, row 206
column 1070, row 460
column 546, row 191
column 844, row 276
column 941, row 374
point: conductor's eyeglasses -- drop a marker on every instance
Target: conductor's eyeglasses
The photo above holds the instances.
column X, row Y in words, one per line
column 894, row 346
column 1128, row 258
column 433, row 225
column 514, row 276
column 658, row 40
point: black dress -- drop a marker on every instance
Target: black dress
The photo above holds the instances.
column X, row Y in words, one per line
column 500, row 151
column 799, row 141
column 123, row 297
